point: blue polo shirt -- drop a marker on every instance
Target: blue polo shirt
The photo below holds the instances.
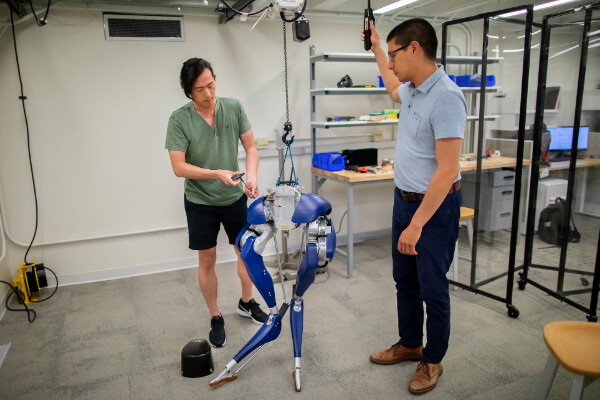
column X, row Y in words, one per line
column 435, row 110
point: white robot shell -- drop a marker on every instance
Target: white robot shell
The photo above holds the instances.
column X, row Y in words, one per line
column 287, row 5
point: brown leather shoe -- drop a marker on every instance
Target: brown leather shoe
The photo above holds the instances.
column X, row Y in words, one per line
column 425, row 378
column 397, row 353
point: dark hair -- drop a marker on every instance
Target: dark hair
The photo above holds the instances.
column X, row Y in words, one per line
column 416, row 29
column 191, row 70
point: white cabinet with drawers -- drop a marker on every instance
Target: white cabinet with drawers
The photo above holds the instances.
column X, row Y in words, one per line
column 495, row 201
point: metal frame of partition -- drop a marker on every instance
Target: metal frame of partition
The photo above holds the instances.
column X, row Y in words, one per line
column 559, row 293
column 475, row 286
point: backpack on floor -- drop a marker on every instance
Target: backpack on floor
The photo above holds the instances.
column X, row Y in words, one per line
column 552, row 220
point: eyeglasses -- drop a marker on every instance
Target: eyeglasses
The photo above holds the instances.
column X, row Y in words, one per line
column 391, row 53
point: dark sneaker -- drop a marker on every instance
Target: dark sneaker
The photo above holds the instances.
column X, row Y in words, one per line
column 216, row 336
column 252, row 310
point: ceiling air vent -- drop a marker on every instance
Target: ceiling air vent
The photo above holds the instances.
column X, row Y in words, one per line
column 143, row 27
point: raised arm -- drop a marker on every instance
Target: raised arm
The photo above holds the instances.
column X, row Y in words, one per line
column 390, row 80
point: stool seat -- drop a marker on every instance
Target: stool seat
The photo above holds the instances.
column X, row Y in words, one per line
column 466, row 213
column 575, row 345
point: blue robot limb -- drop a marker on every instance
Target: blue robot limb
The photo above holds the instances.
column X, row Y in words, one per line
column 257, row 272
column 246, row 242
column 296, row 322
column 320, row 247
column 305, row 277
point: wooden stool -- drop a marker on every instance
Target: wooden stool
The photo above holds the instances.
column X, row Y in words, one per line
column 576, row 346
column 466, row 215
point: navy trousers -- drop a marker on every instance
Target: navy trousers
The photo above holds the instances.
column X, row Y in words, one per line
column 422, row 278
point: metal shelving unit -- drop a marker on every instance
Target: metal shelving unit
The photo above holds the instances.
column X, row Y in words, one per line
column 370, row 58
column 342, row 124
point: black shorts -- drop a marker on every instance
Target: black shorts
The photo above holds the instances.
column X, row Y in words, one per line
column 205, row 221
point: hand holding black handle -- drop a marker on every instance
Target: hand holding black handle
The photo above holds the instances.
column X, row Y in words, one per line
column 238, row 176
column 367, row 29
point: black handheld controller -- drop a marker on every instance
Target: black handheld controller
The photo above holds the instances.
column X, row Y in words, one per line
column 368, row 18
column 238, row 176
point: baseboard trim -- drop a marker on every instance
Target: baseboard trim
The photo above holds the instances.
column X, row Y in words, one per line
column 124, row 272
column 3, row 303
column 3, row 352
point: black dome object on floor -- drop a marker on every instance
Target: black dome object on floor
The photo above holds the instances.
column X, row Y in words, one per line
column 196, row 359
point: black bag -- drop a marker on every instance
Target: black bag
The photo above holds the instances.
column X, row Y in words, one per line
column 552, row 221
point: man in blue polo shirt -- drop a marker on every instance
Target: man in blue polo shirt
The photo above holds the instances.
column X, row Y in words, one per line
column 427, row 197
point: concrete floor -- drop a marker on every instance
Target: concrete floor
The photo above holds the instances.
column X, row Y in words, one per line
column 122, row 339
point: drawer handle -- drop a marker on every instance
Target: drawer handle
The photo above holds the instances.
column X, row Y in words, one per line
column 509, row 177
column 506, row 214
column 506, row 192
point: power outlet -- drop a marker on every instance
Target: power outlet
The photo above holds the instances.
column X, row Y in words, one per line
column 261, row 142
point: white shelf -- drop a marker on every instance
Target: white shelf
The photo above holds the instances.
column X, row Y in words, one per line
column 485, row 117
column 346, row 91
column 490, row 89
column 341, row 124
column 380, row 90
column 369, row 57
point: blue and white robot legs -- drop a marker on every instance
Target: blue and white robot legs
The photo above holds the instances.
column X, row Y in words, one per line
column 285, row 208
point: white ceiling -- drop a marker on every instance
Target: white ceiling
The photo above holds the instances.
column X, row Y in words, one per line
column 439, row 10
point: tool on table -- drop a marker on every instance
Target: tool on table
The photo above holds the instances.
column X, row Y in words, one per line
column 369, row 17
column 385, row 162
column 364, row 170
column 356, row 169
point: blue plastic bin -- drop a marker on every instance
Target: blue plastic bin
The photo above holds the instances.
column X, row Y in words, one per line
column 328, row 161
column 475, row 80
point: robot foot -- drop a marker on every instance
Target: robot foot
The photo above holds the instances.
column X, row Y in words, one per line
column 296, row 375
column 217, row 381
column 225, row 376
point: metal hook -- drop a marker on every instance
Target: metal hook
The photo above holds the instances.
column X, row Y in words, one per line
column 287, row 127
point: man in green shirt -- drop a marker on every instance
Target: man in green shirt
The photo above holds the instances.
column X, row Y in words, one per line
column 202, row 139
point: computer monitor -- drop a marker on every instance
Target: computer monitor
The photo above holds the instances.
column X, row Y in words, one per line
column 552, row 98
column 562, row 138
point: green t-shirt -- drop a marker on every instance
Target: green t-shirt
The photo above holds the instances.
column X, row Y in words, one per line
column 207, row 148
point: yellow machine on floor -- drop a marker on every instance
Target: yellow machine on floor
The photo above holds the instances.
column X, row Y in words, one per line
column 32, row 277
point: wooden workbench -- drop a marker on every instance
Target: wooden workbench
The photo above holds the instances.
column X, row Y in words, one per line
column 387, row 172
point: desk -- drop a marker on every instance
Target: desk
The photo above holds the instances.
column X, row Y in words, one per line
column 352, row 179
column 585, row 164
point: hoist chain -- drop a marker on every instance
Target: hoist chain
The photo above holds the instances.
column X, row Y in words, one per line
column 287, row 108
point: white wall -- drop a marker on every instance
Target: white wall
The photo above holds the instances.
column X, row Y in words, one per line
column 97, row 115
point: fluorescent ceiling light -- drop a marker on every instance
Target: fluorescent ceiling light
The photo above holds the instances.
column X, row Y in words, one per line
column 552, row 4
column 394, row 6
column 564, row 51
column 537, row 7
column 532, row 33
column 519, row 50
